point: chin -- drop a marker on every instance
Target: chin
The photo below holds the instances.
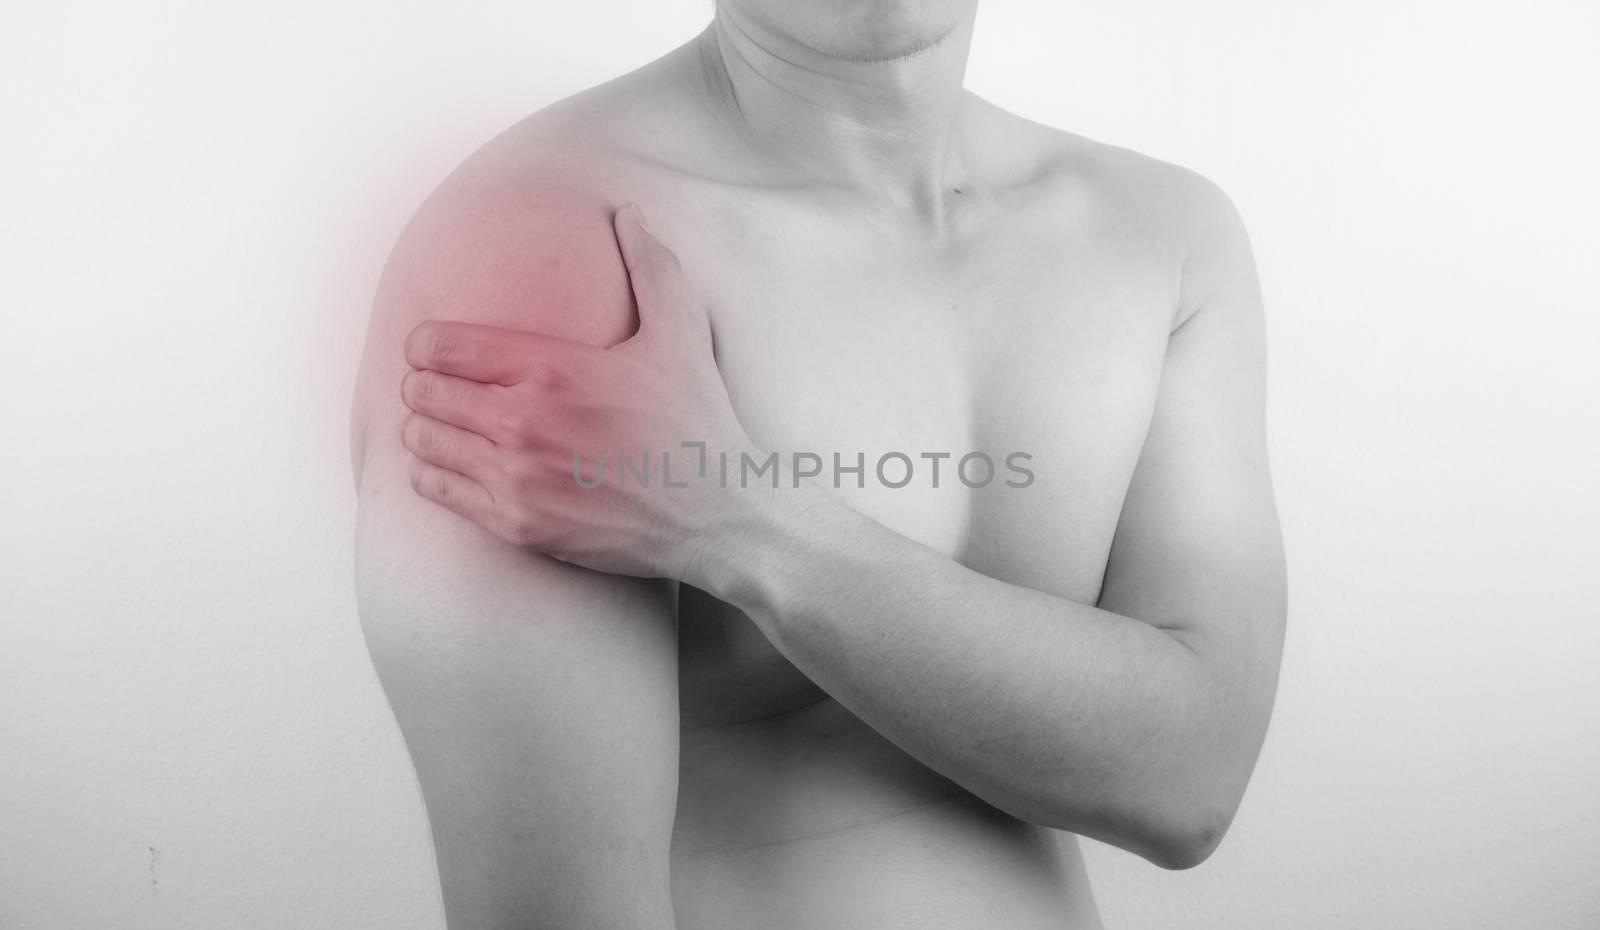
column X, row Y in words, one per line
column 867, row 30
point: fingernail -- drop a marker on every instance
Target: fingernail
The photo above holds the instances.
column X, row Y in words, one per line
column 638, row 214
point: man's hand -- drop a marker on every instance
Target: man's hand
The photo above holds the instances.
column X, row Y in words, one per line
column 501, row 419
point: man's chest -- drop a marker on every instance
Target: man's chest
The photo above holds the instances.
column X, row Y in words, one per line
column 989, row 403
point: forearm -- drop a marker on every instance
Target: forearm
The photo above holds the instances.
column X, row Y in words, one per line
column 1058, row 712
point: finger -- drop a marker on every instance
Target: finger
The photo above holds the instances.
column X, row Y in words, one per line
column 489, row 354
column 453, row 491
column 653, row 269
column 459, row 402
column 448, row 447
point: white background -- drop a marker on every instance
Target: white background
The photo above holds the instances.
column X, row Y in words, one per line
column 198, row 197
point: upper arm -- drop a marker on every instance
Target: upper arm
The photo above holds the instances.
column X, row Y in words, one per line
column 1197, row 549
column 538, row 700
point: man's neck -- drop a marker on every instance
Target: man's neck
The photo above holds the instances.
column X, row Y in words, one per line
column 889, row 129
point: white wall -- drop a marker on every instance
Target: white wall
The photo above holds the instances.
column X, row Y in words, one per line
column 198, row 197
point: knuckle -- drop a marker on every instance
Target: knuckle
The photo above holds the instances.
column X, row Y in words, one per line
column 443, row 342
column 424, row 480
column 663, row 260
column 529, row 485
column 546, row 374
column 445, row 490
column 434, row 391
column 433, row 443
column 424, row 386
column 432, row 483
column 519, row 531
column 515, row 425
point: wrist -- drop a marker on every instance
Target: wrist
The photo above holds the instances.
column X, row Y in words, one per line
column 754, row 544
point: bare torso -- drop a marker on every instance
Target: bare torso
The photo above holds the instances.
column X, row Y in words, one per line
column 1035, row 320
column 1024, row 309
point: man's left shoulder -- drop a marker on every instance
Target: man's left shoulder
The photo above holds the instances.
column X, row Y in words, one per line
column 1162, row 214
column 1172, row 210
column 1140, row 194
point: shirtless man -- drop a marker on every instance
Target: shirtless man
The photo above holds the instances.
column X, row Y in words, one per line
column 816, row 707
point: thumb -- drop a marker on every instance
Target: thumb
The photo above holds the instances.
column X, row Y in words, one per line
column 653, row 271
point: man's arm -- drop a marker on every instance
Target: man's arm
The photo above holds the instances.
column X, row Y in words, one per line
column 538, row 700
column 1136, row 722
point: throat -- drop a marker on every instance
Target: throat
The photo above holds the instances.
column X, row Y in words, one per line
column 888, row 132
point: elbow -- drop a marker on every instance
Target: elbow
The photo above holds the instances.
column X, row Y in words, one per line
column 1168, row 832
column 1178, row 822
column 1185, row 842
column 1170, row 805
column 1179, row 813
column 1167, row 835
